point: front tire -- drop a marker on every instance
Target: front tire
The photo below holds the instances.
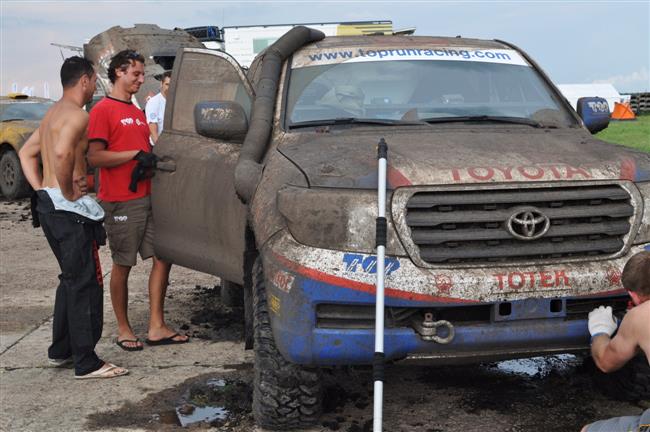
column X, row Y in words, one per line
column 13, row 183
column 285, row 395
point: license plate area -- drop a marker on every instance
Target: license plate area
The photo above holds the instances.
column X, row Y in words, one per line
column 533, row 308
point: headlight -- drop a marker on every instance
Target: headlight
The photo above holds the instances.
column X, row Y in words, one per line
column 643, row 236
column 338, row 219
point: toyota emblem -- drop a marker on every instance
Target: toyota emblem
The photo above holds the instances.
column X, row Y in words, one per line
column 528, row 223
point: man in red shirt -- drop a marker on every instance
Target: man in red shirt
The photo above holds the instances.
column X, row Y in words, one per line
column 118, row 137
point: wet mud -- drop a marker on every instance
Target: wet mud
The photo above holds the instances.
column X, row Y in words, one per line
column 221, row 401
column 553, row 394
column 212, row 320
column 17, row 211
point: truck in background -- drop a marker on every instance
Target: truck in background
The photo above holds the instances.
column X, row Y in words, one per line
column 158, row 46
column 244, row 43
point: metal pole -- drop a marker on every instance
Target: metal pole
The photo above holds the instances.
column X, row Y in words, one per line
column 378, row 359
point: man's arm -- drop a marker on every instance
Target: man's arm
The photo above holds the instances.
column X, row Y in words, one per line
column 28, row 155
column 611, row 354
column 153, row 129
column 98, row 156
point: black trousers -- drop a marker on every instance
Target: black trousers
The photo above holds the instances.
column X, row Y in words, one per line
column 78, row 307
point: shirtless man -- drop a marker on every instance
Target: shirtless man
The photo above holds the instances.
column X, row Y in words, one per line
column 632, row 337
column 71, row 221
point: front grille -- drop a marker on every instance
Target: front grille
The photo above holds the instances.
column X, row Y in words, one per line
column 360, row 317
column 471, row 226
column 342, row 316
column 579, row 308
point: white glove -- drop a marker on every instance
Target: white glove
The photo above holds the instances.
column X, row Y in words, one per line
column 601, row 321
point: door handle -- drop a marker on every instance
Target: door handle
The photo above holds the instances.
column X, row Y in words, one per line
column 167, row 166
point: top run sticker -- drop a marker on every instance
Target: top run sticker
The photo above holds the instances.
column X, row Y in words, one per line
column 325, row 57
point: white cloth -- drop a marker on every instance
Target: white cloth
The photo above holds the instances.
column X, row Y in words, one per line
column 84, row 206
column 155, row 111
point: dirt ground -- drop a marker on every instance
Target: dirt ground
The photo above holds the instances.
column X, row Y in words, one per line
column 175, row 387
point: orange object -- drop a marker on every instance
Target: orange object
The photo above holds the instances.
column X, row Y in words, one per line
column 623, row 111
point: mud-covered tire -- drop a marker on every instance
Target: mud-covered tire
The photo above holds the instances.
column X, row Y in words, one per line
column 285, row 395
column 232, row 294
column 13, row 183
column 630, row 383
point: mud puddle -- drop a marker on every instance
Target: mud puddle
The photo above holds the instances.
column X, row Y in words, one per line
column 219, row 402
column 208, row 401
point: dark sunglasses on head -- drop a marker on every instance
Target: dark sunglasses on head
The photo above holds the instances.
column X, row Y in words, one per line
column 133, row 55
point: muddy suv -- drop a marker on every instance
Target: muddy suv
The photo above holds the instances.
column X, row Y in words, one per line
column 507, row 218
column 20, row 116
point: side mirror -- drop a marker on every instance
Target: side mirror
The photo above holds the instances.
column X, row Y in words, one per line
column 220, row 120
column 594, row 112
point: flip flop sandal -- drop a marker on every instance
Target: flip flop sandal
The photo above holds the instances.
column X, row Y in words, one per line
column 166, row 341
column 121, row 344
column 108, row 370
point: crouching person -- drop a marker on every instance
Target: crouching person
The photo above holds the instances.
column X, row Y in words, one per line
column 632, row 336
column 71, row 221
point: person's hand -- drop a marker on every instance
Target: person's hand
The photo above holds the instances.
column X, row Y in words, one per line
column 80, row 183
column 137, row 174
column 602, row 321
column 146, row 159
column 79, row 188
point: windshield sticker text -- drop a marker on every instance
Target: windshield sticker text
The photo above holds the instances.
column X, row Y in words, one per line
column 321, row 57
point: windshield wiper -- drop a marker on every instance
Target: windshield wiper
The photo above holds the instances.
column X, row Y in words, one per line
column 353, row 120
column 488, row 119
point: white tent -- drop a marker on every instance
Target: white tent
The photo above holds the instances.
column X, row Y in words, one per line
column 573, row 92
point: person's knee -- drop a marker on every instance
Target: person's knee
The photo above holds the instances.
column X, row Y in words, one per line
column 161, row 264
column 120, row 271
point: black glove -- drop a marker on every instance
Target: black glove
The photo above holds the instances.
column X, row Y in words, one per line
column 146, row 159
column 139, row 172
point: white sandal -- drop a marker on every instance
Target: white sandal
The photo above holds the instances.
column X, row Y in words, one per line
column 108, row 370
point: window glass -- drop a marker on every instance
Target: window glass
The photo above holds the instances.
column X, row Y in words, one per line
column 205, row 77
column 429, row 89
column 24, row 110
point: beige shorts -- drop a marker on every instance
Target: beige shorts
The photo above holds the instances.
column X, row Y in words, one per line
column 129, row 227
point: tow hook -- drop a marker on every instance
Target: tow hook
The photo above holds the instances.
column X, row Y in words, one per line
column 428, row 329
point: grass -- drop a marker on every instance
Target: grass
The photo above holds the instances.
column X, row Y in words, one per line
column 630, row 133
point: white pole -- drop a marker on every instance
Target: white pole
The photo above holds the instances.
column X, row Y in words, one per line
column 378, row 360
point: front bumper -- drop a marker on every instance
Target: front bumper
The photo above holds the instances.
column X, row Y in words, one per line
column 539, row 298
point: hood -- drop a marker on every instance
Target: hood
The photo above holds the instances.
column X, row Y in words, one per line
column 347, row 157
column 17, row 131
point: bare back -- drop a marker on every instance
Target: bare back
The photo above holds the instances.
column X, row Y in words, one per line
column 641, row 321
column 63, row 130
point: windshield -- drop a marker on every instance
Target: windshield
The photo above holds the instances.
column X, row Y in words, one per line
column 24, row 111
column 419, row 88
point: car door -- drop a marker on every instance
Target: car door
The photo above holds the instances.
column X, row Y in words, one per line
column 199, row 221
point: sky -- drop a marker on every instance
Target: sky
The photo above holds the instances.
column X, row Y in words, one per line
column 575, row 42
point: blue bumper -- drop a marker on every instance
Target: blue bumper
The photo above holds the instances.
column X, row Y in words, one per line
column 293, row 300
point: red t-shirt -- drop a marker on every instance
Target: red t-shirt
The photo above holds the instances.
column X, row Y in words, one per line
column 121, row 126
